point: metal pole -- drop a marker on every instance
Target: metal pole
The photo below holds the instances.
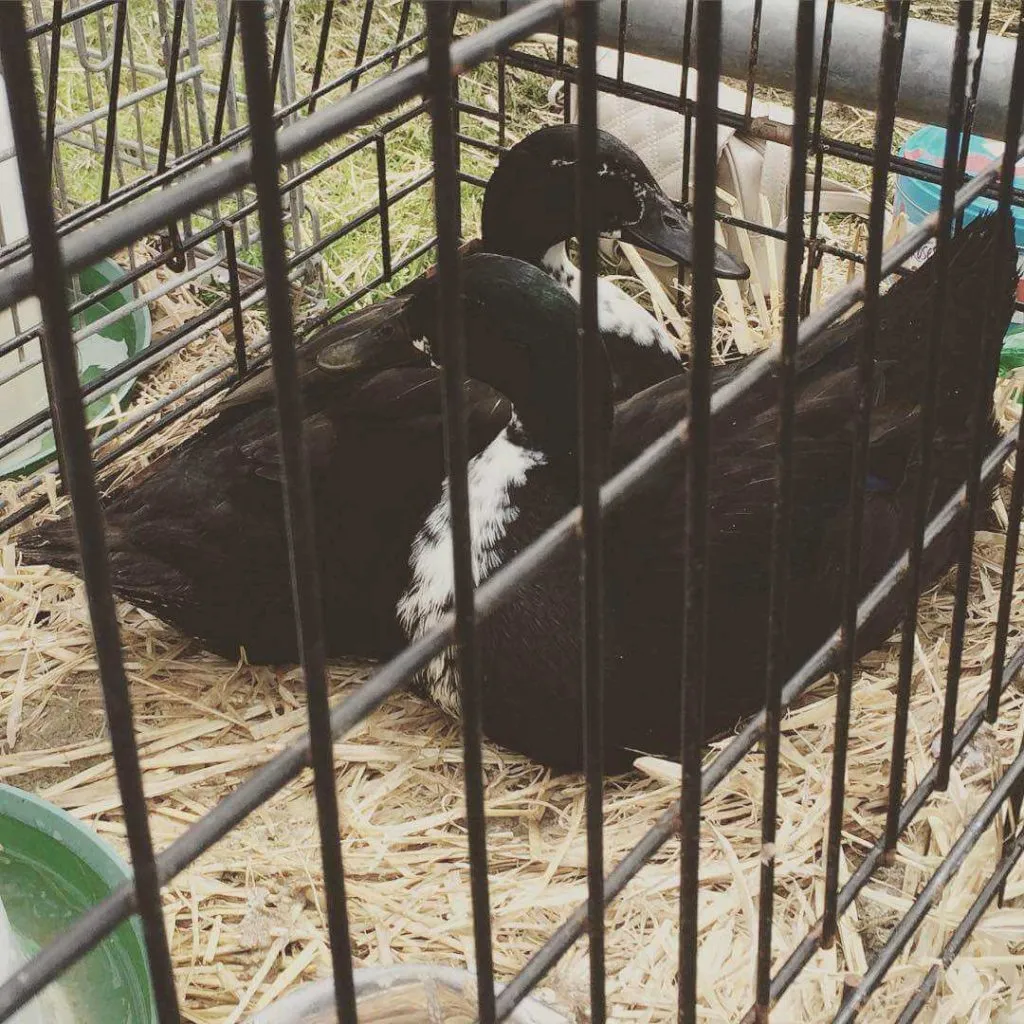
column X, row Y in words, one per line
column 655, row 28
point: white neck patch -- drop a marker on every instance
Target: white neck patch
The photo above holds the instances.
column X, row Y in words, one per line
column 617, row 312
column 493, row 475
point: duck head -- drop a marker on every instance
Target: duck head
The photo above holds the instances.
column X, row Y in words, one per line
column 530, row 201
column 521, row 335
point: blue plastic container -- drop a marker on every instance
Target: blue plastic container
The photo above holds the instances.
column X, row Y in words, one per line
column 918, row 199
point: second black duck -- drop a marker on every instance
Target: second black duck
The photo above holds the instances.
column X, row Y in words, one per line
column 528, row 476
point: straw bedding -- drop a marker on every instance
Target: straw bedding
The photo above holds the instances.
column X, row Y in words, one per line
column 247, row 920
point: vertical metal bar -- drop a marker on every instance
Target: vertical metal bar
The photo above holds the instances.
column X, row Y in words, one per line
column 984, row 380
column 108, row 78
column 120, row 21
column 684, row 195
column 136, row 111
column 560, row 64
column 282, row 27
column 814, row 253
column 502, row 86
column 82, row 51
column 171, row 121
column 782, row 523
column 182, row 114
column 321, row 51
column 202, row 124
column 161, row 12
column 51, row 86
column 226, row 77
column 172, row 53
column 50, row 68
column 755, row 45
column 972, row 99
column 456, row 88
column 305, row 577
column 73, row 440
column 954, row 122
column 227, row 21
column 44, row 66
column 172, row 56
column 197, row 82
column 382, row 202
column 284, row 87
column 709, row 38
column 364, row 35
column 592, row 443
column 13, row 310
column 888, row 87
column 403, row 22
column 620, row 64
column 238, row 325
column 446, row 202
column 1014, row 114
column 105, row 68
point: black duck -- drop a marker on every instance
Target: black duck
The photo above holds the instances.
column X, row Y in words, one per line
column 528, row 476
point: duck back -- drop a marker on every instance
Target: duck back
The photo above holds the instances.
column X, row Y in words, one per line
column 530, row 657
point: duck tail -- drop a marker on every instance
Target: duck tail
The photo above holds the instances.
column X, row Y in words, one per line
column 51, row 543
column 135, row 576
column 984, row 275
column 1006, row 279
column 976, row 312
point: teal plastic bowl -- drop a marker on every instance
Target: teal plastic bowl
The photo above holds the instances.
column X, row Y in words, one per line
column 918, row 199
column 52, row 868
column 25, row 393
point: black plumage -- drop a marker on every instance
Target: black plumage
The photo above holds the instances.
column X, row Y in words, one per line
column 530, row 647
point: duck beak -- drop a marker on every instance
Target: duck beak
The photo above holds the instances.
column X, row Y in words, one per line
column 664, row 230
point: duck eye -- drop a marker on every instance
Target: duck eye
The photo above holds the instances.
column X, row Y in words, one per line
column 671, row 219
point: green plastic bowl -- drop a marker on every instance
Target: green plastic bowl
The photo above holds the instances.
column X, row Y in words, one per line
column 52, row 868
column 1012, row 356
column 25, row 395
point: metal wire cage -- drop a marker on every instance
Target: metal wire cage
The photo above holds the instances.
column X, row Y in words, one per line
column 209, row 185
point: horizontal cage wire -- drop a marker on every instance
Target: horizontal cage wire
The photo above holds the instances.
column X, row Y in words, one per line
column 193, row 194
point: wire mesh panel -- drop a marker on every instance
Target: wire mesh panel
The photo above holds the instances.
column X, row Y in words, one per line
column 281, row 162
column 213, row 248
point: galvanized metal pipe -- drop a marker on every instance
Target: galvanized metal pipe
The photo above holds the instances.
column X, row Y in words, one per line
column 654, row 28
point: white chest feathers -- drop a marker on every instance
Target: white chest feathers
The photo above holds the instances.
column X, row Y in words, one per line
column 494, row 475
column 617, row 312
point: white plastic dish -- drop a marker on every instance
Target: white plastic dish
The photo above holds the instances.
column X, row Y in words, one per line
column 314, row 1003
